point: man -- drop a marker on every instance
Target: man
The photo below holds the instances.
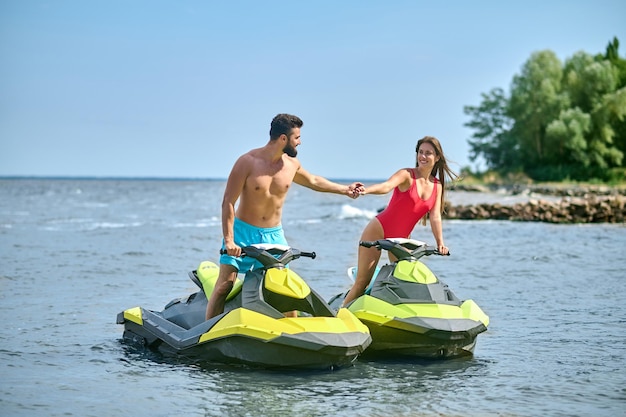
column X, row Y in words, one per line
column 260, row 180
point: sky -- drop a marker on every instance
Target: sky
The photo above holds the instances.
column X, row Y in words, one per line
column 180, row 89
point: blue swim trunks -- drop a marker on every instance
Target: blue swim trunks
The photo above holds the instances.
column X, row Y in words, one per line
column 247, row 234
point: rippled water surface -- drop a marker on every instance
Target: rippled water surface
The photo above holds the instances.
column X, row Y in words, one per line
column 74, row 253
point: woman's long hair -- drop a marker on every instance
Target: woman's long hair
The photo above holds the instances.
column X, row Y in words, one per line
column 441, row 170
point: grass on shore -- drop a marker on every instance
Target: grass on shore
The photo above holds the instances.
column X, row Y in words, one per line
column 491, row 178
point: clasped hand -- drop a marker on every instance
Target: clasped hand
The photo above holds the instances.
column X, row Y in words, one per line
column 355, row 189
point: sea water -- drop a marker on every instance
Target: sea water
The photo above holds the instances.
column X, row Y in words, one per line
column 74, row 253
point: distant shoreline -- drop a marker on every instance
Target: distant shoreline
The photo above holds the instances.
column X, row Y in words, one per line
column 554, row 203
column 551, row 189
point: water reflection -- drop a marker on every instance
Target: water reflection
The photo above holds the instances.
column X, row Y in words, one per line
column 387, row 387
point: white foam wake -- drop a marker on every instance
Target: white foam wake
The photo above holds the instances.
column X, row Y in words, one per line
column 351, row 212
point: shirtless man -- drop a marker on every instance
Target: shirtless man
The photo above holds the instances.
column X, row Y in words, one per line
column 260, row 180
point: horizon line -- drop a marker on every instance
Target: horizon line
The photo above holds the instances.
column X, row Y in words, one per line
column 139, row 178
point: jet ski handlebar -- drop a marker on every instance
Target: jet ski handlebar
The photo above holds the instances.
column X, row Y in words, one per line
column 273, row 255
column 403, row 249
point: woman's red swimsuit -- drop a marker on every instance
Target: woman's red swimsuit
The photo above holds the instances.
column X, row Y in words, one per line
column 404, row 211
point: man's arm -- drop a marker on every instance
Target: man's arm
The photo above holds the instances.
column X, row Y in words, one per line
column 234, row 188
column 321, row 184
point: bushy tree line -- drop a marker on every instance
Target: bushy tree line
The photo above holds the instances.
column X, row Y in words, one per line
column 559, row 120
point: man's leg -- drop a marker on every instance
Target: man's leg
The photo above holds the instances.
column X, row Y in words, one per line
column 223, row 286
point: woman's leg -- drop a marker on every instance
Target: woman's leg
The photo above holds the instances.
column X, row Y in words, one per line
column 368, row 259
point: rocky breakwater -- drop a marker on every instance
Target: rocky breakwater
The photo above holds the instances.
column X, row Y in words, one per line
column 575, row 206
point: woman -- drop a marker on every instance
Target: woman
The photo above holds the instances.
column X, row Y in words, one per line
column 416, row 192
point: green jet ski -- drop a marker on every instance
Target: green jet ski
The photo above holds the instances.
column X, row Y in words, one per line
column 410, row 312
column 253, row 329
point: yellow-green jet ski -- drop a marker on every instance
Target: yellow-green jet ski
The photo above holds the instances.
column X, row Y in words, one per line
column 410, row 312
column 253, row 329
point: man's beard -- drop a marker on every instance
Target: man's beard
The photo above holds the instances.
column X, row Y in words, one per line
column 290, row 151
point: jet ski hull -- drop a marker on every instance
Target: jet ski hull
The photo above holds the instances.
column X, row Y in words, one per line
column 411, row 313
column 421, row 337
column 243, row 342
column 417, row 336
column 253, row 329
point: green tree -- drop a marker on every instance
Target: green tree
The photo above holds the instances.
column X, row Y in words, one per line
column 536, row 100
column 617, row 121
column 567, row 137
column 560, row 120
column 592, row 85
column 612, row 55
column 491, row 140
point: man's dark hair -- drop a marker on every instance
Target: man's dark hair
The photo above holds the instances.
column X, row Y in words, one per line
column 282, row 125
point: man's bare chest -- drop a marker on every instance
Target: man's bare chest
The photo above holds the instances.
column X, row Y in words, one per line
column 276, row 184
